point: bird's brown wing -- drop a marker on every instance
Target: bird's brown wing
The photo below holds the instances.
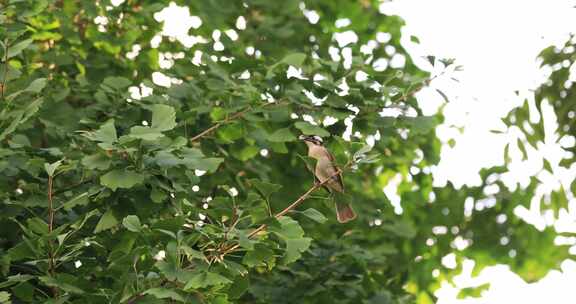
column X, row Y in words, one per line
column 338, row 183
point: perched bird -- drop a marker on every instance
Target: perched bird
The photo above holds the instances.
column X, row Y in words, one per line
column 325, row 169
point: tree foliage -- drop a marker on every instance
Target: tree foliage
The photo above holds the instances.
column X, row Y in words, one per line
column 118, row 189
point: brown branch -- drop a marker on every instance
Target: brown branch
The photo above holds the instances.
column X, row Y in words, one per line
column 135, row 298
column 50, row 205
column 51, row 258
column 3, row 85
column 231, row 118
column 218, row 125
column 295, row 204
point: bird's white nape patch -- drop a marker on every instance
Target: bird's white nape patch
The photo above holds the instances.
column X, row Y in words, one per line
column 317, row 138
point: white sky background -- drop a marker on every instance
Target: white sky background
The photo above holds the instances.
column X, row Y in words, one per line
column 497, row 42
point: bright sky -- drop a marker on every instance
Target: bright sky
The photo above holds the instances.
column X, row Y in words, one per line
column 497, row 42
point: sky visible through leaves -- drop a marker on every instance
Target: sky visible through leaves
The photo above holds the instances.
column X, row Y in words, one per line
column 499, row 58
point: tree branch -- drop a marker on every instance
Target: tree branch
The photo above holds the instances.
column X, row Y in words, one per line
column 218, row 125
column 295, row 204
column 51, row 258
column 233, row 117
column 3, row 85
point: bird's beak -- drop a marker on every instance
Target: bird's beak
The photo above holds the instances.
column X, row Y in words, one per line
column 302, row 137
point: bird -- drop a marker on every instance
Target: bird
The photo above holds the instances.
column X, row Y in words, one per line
column 325, row 169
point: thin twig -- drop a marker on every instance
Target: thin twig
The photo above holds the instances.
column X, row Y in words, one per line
column 295, row 204
column 3, row 86
column 218, row 125
column 50, row 205
column 230, row 119
column 134, row 298
column 51, row 262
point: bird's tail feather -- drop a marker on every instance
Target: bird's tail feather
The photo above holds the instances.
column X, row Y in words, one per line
column 344, row 212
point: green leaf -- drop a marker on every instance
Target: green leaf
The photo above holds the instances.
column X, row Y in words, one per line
column 240, row 286
column 15, row 279
column 381, row 297
column 315, row 215
column 245, row 153
column 168, row 269
column 282, row 135
column 206, row 164
column 294, row 249
column 107, row 221
column 4, row 297
column 61, row 283
column 293, row 235
column 309, row 129
column 260, row 255
column 206, row 279
column 231, row 132
column 36, row 86
column 37, row 225
column 163, row 117
column 166, row 159
column 421, row 124
column 474, row 292
column 117, row 83
column 295, row 59
column 289, row 228
column 121, row 179
column 547, row 165
column 359, row 156
column 522, row 149
column 164, row 293
column 17, row 48
column 507, row 153
column 51, row 168
column 402, row 229
column 245, row 242
column 365, row 149
column 157, row 195
column 24, row 291
column 217, row 114
column 21, row 116
column 79, row 200
column 106, row 133
column 145, row 133
column 191, row 253
column 132, row 223
column 97, row 161
column 265, row 189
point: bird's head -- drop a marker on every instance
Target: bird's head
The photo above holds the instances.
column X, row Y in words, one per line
column 311, row 139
